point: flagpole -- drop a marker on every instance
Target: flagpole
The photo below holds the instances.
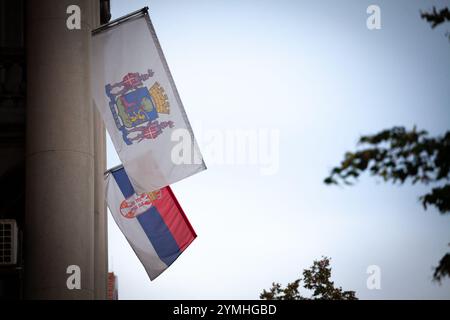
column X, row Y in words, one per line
column 111, row 170
column 120, row 20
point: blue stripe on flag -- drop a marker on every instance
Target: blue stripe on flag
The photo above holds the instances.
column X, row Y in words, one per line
column 159, row 234
column 123, row 182
column 152, row 223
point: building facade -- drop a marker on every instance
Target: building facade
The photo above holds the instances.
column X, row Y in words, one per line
column 53, row 153
column 113, row 287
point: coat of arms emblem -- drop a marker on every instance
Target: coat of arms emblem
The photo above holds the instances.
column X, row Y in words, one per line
column 138, row 204
column 136, row 108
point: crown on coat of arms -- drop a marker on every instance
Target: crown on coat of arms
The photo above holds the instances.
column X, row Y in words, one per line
column 154, row 195
column 160, row 98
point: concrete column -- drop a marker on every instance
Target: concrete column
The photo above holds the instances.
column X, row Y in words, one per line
column 100, row 217
column 60, row 157
column 100, row 213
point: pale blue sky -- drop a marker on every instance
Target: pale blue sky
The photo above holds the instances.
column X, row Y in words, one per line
column 313, row 71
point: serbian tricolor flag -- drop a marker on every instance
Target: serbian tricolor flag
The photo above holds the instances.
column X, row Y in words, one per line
column 153, row 223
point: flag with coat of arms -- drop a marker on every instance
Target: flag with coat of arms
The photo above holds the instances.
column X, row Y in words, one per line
column 139, row 103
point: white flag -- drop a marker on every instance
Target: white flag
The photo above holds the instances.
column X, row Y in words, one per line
column 139, row 103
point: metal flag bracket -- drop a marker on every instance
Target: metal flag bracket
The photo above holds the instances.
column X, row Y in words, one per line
column 115, row 22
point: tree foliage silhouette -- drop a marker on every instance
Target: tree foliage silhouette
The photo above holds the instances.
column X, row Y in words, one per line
column 435, row 18
column 399, row 155
column 315, row 279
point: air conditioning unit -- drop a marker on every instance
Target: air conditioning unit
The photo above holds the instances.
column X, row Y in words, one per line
column 8, row 242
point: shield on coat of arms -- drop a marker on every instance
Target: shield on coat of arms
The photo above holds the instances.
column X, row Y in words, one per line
column 136, row 107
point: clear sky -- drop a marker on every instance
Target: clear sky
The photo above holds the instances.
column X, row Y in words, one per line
column 312, row 72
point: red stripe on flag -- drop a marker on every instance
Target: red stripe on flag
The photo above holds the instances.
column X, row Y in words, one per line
column 175, row 218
